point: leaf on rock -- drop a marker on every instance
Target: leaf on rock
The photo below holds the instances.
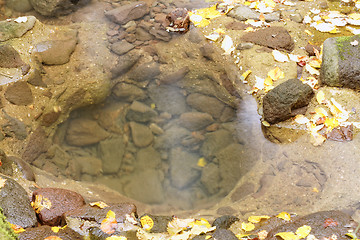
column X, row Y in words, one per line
column 284, row 215
column 109, row 224
column 146, row 222
column 17, row 228
column 329, row 222
column 40, row 203
column 276, row 74
column 303, row 232
column 53, row 238
column 176, row 225
column 2, row 182
column 279, row 56
column 256, row 219
column 247, row 227
column 116, row 238
column 99, row 204
column 287, row 235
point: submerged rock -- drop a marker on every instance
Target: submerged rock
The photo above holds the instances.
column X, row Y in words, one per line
column 111, row 152
column 140, row 112
column 19, row 93
column 141, row 134
column 340, row 62
column 9, row 57
column 55, row 52
column 53, row 8
column 128, row 92
column 121, row 47
column 126, row 13
column 195, row 120
column 286, row 100
column 15, row 28
column 19, row 5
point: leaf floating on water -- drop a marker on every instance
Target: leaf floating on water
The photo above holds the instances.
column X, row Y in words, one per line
column 284, row 215
column 99, row 204
column 256, row 219
column 247, row 227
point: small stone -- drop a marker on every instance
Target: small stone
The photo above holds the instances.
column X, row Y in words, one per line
column 224, row 222
column 205, row 104
column 19, row 5
column 156, row 129
column 126, row 13
column 296, row 17
column 35, row 79
column 9, row 57
column 37, row 144
column 24, row 167
column 89, row 165
column 148, row 158
column 215, row 142
column 14, row 127
column 175, row 77
column 121, row 47
column 125, row 63
column 145, row 72
column 19, row 93
column 143, row 35
column 224, row 234
column 207, row 51
column 160, row 223
column 244, row 46
column 54, row 8
column 140, row 112
column 128, row 92
column 210, row 178
column 160, row 34
column 55, row 52
column 111, row 152
column 141, row 134
column 195, row 120
column 82, row 132
column 11, row 29
column 57, row 201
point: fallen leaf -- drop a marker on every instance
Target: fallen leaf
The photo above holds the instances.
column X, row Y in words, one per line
column 311, row 70
column 320, row 97
column 287, row 235
column 329, row 222
column 303, row 232
column 17, row 228
column 146, row 222
column 53, row 238
column 284, row 215
column 247, row 227
column 317, row 139
column 201, row 162
column 2, row 182
column 99, row 204
column 109, row 224
column 114, row 237
column 256, row 219
column 279, row 56
column 276, row 74
column 301, row 119
column 227, row 45
column 245, row 75
column 57, row 229
column 262, row 234
column 40, row 203
column 354, row 43
column 331, row 123
column 213, row 36
column 176, row 225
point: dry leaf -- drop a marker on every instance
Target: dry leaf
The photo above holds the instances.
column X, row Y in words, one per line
column 17, row 228
column 201, row 162
column 99, row 204
column 177, row 225
column 301, row 119
column 146, row 222
column 2, row 182
column 279, row 56
column 109, row 224
column 287, row 235
column 116, row 238
column 256, row 219
column 40, row 203
column 284, row 215
column 276, row 74
column 320, row 97
column 227, row 45
column 247, row 227
column 303, row 232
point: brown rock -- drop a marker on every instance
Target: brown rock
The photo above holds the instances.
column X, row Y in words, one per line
column 9, row 57
column 126, row 13
column 37, row 144
column 176, row 76
column 54, row 203
column 195, row 120
column 82, row 132
column 43, row 232
column 272, row 37
column 141, row 134
column 19, row 93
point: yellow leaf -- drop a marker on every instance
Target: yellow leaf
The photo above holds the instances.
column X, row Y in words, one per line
column 276, row 74
column 308, row 32
column 177, row 225
column 146, row 222
column 284, row 215
column 201, row 222
column 321, row 112
column 256, row 219
column 152, row 106
column 303, row 231
column 220, row 31
column 268, row 81
column 2, row 182
column 114, row 237
column 287, row 235
column 245, row 75
column 315, row 63
column 249, row 29
column 40, row 203
column 99, row 204
column 354, row 16
column 262, row 234
column 247, row 227
column 320, row 97
column 201, row 162
column 109, row 224
column 209, row 13
column 17, row 228
column 53, row 238
column 55, row 229
column 315, row 190
column 331, row 123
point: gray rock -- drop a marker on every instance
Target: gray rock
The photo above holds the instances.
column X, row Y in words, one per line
column 128, row 92
column 205, row 104
column 90, row 165
column 146, row 187
column 210, row 178
column 228, row 114
column 195, row 120
column 13, row 29
column 55, row 52
column 145, row 72
column 225, row 222
column 125, row 63
column 19, row 5
column 16, row 204
column 243, row 13
column 168, row 99
column 286, row 100
column 140, row 112
column 195, row 35
column 141, row 134
column 126, row 13
column 148, row 158
column 6, row 167
column 14, row 127
column 296, row 17
column 19, row 93
column 183, row 168
column 340, row 60
column 224, row 234
column 9, row 57
column 272, row 37
column 215, row 142
column 111, row 152
column 53, row 8
column 244, row 46
column 171, row 137
column 121, row 47
column 82, row 132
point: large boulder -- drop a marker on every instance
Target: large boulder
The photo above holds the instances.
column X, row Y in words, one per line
column 340, row 62
column 286, row 100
